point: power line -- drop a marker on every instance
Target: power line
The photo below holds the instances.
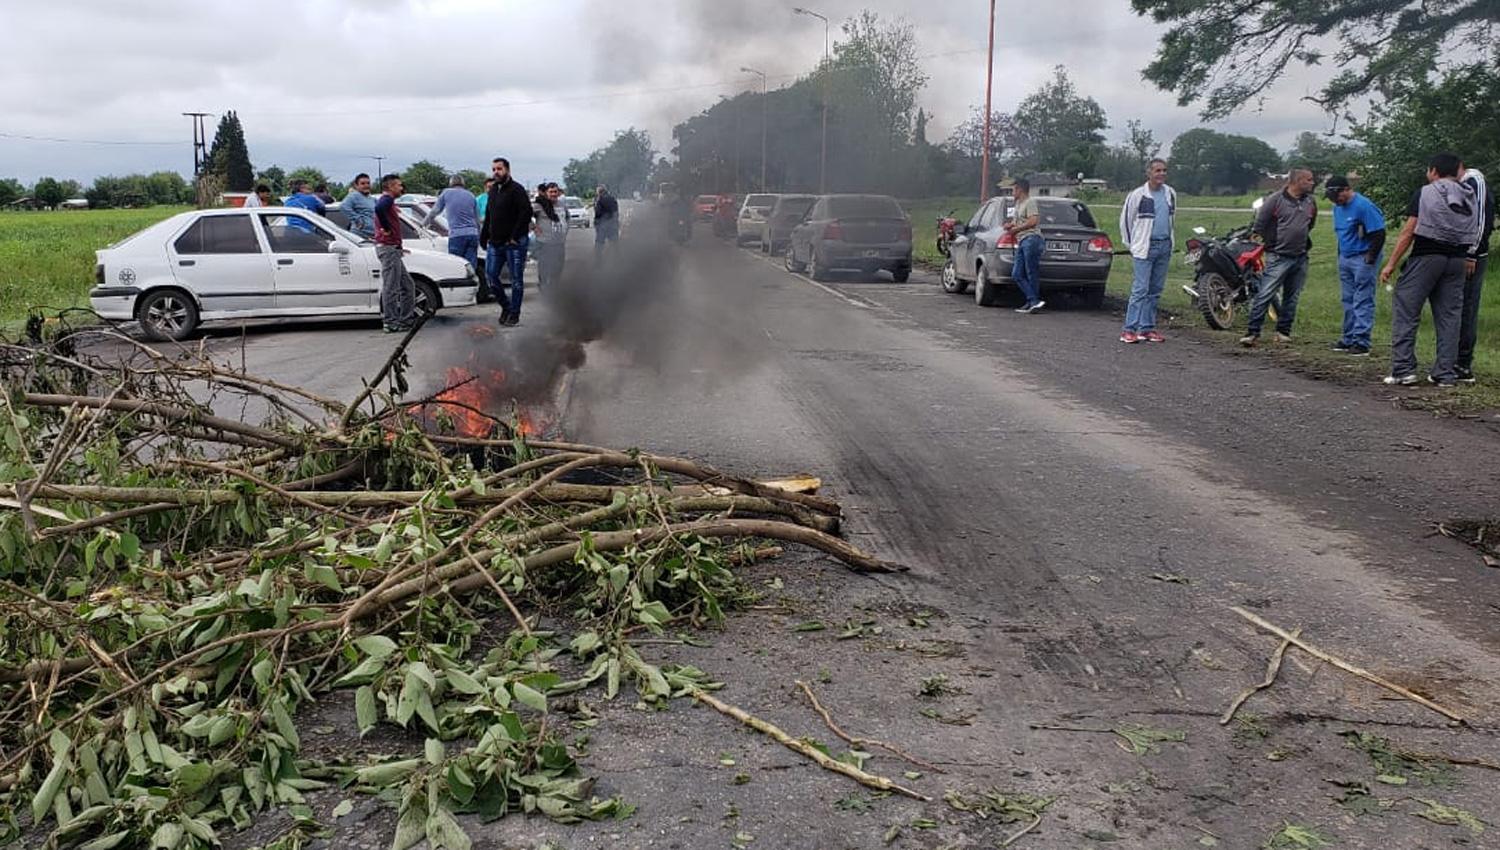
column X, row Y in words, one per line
column 26, row 138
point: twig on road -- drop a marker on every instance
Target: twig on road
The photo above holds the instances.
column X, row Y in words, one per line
column 1272, row 668
column 862, row 742
column 1292, row 638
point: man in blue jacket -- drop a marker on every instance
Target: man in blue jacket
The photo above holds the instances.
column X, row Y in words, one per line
column 1360, row 228
column 303, row 198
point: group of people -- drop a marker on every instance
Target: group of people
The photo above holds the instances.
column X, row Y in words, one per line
column 1449, row 222
column 503, row 221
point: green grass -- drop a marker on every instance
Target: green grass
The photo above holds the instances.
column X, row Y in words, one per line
column 1319, row 314
column 47, row 258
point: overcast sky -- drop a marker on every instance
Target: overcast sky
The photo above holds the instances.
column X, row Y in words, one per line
column 331, row 82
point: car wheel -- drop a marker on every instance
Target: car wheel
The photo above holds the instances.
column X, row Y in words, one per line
column 1092, row 297
column 167, row 314
column 951, row 281
column 427, row 298
column 901, row 275
column 791, row 261
column 819, row 271
column 986, row 294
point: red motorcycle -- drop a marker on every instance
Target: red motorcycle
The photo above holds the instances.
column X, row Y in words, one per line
column 947, row 230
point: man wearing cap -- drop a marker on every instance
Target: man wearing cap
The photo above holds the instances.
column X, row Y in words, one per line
column 1360, row 228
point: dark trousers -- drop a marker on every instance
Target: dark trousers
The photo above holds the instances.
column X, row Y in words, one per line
column 1285, row 274
column 1468, row 329
column 1437, row 280
column 513, row 257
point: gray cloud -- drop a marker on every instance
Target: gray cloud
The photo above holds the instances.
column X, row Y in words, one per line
column 459, row 81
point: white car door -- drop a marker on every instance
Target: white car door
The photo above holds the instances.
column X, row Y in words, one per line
column 220, row 261
column 310, row 276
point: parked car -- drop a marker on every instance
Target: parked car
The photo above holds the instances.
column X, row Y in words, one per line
column 784, row 215
column 264, row 262
column 704, row 207
column 863, row 232
column 579, row 213
column 1076, row 258
column 751, row 220
column 413, row 234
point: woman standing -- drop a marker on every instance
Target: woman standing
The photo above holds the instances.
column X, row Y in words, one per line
column 551, row 229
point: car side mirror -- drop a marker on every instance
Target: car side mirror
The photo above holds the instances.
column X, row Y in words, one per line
column 337, row 248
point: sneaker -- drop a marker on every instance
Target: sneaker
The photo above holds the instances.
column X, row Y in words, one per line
column 1357, row 351
column 396, row 329
column 1283, row 338
column 1024, row 308
column 1153, row 336
column 1464, row 376
column 1249, row 341
column 1037, row 306
column 512, row 320
column 1407, row 380
column 1340, row 346
column 1442, row 383
column 1129, row 337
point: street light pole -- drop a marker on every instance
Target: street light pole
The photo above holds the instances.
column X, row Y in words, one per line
column 762, row 124
column 823, row 157
column 989, row 82
column 378, row 161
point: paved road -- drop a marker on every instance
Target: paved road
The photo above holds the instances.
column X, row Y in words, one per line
column 1078, row 517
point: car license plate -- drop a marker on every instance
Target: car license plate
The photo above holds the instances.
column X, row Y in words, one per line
column 1191, row 257
column 872, row 253
column 1059, row 246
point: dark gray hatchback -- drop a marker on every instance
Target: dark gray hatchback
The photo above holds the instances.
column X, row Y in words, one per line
column 863, row 232
column 1076, row 258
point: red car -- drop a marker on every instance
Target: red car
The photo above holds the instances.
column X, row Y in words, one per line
column 704, row 207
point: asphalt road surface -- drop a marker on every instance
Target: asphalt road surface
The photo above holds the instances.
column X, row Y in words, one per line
column 1078, row 517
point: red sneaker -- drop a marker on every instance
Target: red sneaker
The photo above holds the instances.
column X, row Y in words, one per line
column 1130, row 337
column 1153, row 336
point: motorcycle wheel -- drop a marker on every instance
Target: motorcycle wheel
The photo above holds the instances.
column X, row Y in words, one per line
column 942, row 246
column 1216, row 301
column 951, row 281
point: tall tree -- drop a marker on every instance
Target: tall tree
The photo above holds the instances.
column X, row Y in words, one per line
column 624, row 165
column 1324, row 156
column 312, row 175
column 425, row 177
column 10, row 190
column 49, row 191
column 275, row 178
column 1403, row 134
column 228, row 156
column 1141, row 141
column 1209, row 162
column 473, row 179
column 883, row 56
column 1227, row 53
column 1062, row 129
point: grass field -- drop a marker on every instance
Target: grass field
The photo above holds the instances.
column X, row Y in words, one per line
column 1319, row 314
column 47, row 258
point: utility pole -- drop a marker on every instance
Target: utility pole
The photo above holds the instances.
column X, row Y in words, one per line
column 823, row 157
column 989, row 84
column 200, row 143
column 763, row 107
column 378, row 161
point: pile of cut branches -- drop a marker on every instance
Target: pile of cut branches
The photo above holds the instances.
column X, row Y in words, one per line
column 189, row 554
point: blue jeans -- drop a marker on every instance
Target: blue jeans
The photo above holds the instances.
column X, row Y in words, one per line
column 1026, row 271
column 513, row 256
column 1357, row 293
column 1145, row 290
column 1285, row 273
column 466, row 247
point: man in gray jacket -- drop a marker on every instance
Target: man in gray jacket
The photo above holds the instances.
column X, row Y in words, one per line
column 1284, row 222
column 1439, row 230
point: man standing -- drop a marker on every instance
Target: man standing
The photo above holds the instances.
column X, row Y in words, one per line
column 606, row 220
column 1284, row 223
column 360, row 208
column 261, row 197
column 1439, row 230
column 1479, row 256
column 463, row 220
column 1147, row 221
column 398, row 292
column 505, row 237
column 303, row 198
column 1026, row 226
column 482, row 201
column 1360, row 230
column 551, row 235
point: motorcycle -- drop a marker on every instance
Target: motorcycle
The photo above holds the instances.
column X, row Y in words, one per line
column 1226, row 272
column 947, row 231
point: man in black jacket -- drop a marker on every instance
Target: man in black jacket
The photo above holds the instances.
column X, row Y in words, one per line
column 505, row 236
column 606, row 219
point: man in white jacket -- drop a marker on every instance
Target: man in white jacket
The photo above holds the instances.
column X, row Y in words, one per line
column 1146, row 223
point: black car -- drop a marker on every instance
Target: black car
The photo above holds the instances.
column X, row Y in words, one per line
column 784, row 215
column 1076, row 258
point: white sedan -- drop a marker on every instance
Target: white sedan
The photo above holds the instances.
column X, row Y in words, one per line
column 579, row 213
column 257, row 263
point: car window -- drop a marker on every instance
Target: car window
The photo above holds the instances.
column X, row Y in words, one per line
column 219, row 234
column 338, row 217
column 977, row 222
column 708, row 199
column 1067, row 213
column 761, row 201
column 573, row 203
column 819, row 211
column 865, row 206
column 291, row 234
column 794, row 207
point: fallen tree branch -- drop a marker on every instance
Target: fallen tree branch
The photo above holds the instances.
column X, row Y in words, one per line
column 1292, row 638
column 861, row 742
column 166, row 411
column 869, row 780
column 1272, row 668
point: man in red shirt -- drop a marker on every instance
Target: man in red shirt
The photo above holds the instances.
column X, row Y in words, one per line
column 398, row 292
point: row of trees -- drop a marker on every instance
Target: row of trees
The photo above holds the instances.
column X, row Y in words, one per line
column 625, row 165
column 131, row 190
